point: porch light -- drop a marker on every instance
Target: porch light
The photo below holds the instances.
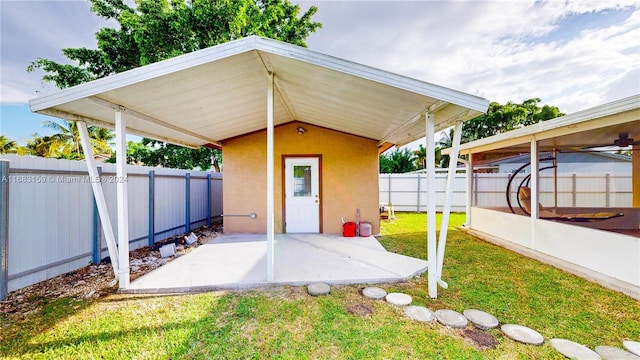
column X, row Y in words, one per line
column 300, row 130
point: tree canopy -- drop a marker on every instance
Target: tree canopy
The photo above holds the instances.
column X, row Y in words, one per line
column 397, row 161
column 502, row 118
column 160, row 29
column 156, row 30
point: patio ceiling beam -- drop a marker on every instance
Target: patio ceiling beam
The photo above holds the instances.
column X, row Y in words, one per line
column 402, row 128
column 279, row 89
column 98, row 195
column 116, row 107
column 103, row 124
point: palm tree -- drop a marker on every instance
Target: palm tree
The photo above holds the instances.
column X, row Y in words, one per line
column 68, row 139
column 44, row 146
column 101, row 140
column 7, row 146
column 420, row 157
column 69, row 136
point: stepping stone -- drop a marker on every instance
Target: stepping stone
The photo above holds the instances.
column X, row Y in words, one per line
column 374, row 293
column 399, row 299
column 614, row 353
column 316, row 289
column 481, row 319
column 632, row 346
column 522, row 334
column 452, row 319
column 573, row 350
column 419, row 313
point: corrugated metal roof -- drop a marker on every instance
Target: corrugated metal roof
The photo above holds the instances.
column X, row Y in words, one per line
column 220, row 92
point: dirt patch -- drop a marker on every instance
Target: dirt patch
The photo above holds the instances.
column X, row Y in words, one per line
column 96, row 281
column 360, row 309
column 481, row 340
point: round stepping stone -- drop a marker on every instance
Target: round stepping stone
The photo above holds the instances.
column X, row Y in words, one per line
column 374, row 293
column 614, row 353
column 522, row 334
column 316, row 289
column 399, row 299
column 632, row 346
column 419, row 313
column 452, row 319
column 573, row 350
column 481, row 319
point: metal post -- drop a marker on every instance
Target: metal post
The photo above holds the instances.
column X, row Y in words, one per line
column 187, row 210
column 418, row 201
column 389, row 187
column 4, row 229
column 535, row 189
column 573, row 190
column 444, row 223
column 122, row 197
column 98, row 194
column 270, row 180
column 96, row 243
column 432, row 257
column 209, row 200
column 607, row 192
column 152, row 212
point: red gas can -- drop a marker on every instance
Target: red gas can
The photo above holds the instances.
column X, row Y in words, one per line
column 349, row 229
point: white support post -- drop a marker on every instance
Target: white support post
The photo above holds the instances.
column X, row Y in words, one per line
column 444, row 223
column 122, row 197
column 270, row 180
column 432, row 257
column 98, row 194
column 469, row 190
column 535, row 198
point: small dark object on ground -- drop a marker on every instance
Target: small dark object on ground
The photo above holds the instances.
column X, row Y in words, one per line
column 480, row 339
column 360, row 309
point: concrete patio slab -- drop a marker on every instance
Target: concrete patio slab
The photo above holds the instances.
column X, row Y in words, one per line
column 238, row 261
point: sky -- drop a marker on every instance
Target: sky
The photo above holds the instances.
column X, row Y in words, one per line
column 570, row 54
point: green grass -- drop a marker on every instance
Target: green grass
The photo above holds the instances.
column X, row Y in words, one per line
column 285, row 323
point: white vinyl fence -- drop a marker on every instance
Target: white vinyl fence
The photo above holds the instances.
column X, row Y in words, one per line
column 408, row 192
column 53, row 222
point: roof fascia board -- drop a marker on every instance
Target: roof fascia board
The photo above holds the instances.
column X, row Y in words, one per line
column 556, row 127
column 143, row 73
column 366, row 72
column 74, row 117
column 116, row 107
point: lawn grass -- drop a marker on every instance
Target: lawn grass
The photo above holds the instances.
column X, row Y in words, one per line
column 285, row 323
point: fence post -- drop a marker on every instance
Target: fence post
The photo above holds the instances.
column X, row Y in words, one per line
column 96, row 243
column 418, row 195
column 389, row 197
column 187, row 217
column 209, row 200
column 4, row 229
column 573, row 190
column 607, row 189
column 152, row 213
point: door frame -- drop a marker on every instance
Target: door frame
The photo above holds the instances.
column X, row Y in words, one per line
column 284, row 157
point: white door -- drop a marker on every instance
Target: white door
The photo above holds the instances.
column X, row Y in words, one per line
column 302, row 195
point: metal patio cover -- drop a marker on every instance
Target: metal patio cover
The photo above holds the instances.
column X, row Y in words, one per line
column 217, row 93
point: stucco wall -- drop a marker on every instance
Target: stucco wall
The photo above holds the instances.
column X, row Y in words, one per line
column 349, row 177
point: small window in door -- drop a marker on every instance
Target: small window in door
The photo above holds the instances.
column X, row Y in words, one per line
column 302, row 180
